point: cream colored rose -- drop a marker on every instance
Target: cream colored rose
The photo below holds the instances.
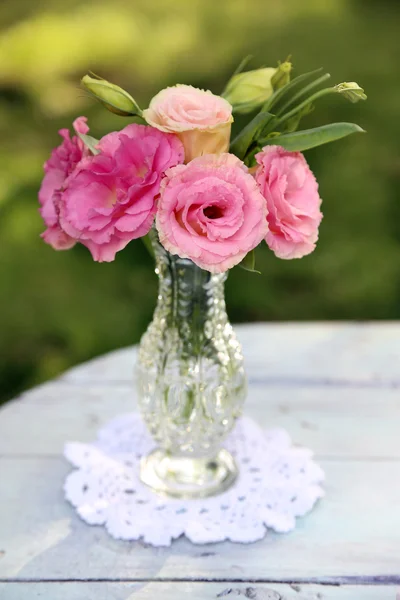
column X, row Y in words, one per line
column 201, row 119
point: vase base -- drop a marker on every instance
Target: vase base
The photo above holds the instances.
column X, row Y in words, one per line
column 182, row 477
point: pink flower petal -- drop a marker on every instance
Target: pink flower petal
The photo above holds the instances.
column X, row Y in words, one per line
column 211, row 211
column 291, row 192
column 109, row 200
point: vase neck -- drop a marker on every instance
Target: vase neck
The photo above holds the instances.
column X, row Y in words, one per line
column 188, row 295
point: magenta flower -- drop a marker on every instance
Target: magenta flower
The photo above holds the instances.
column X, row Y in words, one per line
column 58, row 168
column 110, row 199
column 293, row 202
column 211, row 211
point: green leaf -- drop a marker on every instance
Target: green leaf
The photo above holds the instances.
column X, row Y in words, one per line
column 242, row 142
column 244, row 108
column 90, row 142
column 249, row 262
column 266, row 121
column 310, row 138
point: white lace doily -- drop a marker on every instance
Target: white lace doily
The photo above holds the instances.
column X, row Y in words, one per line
column 277, row 482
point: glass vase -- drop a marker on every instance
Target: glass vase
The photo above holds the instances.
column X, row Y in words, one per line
column 191, row 381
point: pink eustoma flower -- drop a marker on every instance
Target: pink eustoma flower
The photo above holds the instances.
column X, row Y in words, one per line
column 58, row 168
column 211, row 211
column 293, row 202
column 110, row 199
column 201, row 119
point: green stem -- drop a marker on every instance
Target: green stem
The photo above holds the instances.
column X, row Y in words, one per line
column 294, row 111
column 148, row 244
column 303, row 92
column 286, row 89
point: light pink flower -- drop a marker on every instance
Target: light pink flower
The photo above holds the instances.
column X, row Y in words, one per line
column 200, row 119
column 293, row 202
column 58, row 168
column 110, row 199
column 211, row 211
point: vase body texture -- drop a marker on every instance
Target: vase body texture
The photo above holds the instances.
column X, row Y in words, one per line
column 191, row 381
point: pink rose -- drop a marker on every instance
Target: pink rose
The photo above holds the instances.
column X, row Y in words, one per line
column 293, row 202
column 200, row 119
column 60, row 165
column 110, row 198
column 211, row 211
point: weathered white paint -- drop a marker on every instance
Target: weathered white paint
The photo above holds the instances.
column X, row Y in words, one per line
column 353, row 531
column 192, row 591
column 334, row 387
column 333, row 421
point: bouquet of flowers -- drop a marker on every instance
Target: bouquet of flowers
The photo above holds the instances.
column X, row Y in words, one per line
column 212, row 199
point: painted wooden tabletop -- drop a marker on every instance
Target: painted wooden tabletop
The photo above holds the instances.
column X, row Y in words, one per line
column 334, row 387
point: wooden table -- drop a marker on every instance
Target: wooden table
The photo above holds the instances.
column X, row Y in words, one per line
column 334, row 387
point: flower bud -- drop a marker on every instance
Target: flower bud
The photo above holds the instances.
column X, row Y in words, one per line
column 282, row 75
column 351, row 90
column 114, row 98
column 249, row 90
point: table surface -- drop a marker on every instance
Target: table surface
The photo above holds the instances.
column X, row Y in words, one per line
column 334, row 387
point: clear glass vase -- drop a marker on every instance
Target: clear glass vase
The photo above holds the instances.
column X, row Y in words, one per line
column 191, row 381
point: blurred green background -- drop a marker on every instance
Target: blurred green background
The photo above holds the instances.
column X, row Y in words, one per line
column 58, row 309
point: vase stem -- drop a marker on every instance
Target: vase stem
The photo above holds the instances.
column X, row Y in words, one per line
column 185, row 477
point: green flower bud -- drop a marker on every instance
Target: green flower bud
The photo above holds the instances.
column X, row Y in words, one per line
column 249, row 90
column 282, row 75
column 114, row 98
column 351, row 90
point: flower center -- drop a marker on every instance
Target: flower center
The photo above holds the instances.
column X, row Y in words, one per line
column 213, row 212
column 142, row 171
column 112, row 199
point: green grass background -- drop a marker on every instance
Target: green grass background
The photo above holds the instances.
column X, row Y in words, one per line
column 58, row 309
